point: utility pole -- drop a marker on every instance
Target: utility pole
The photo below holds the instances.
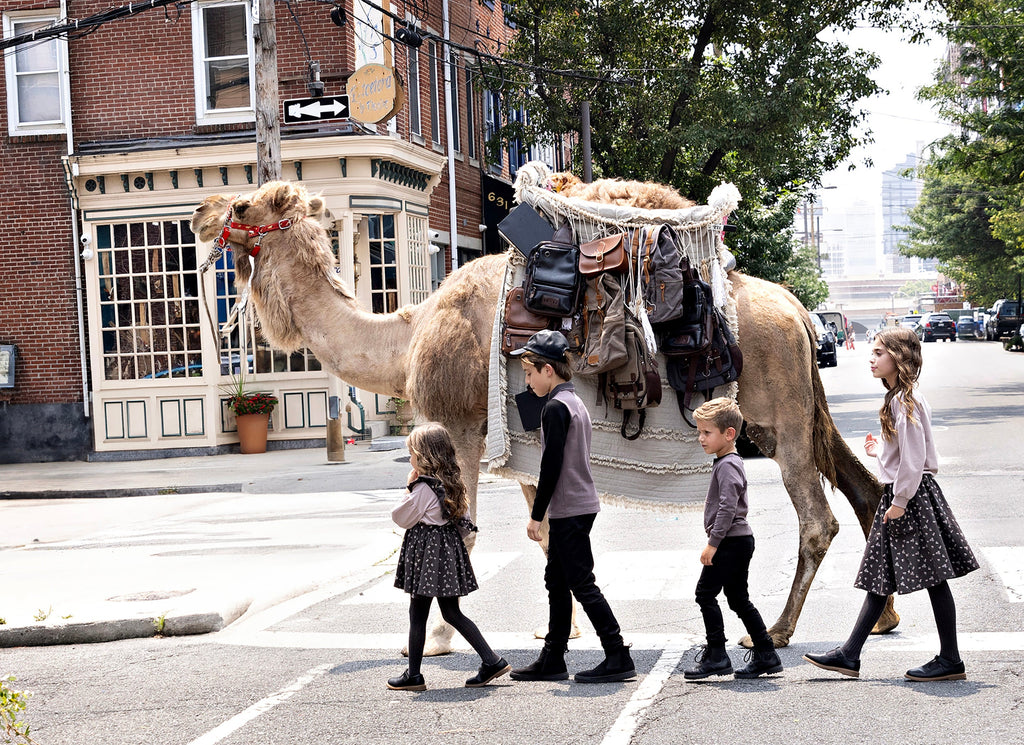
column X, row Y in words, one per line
column 268, row 128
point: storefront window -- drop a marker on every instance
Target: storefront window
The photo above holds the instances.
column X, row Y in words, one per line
column 149, row 300
column 383, row 264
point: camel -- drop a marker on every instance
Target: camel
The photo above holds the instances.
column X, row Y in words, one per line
column 436, row 354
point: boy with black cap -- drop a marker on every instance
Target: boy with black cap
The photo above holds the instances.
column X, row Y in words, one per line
column 566, row 492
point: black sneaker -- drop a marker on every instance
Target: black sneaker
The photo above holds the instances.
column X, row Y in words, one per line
column 406, row 682
column 765, row 662
column 938, row 669
column 836, row 661
column 487, row 673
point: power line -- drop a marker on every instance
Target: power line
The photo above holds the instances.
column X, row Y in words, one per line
column 87, row 24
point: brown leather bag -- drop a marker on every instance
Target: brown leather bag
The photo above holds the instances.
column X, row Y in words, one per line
column 609, row 254
column 520, row 323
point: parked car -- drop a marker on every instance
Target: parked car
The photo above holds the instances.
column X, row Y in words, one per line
column 910, row 320
column 827, row 356
column 836, row 321
column 970, row 327
column 1003, row 320
column 936, row 326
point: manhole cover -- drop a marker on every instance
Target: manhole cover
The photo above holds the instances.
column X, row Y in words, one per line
column 141, row 597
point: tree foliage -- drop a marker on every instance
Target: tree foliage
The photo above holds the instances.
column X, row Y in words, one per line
column 697, row 92
column 971, row 214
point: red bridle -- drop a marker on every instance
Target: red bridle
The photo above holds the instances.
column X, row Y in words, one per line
column 253, row 231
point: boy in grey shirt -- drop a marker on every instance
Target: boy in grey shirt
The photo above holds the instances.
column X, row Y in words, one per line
column 726, row 557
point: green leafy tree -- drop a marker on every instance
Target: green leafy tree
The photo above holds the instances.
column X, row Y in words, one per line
column 971, row 215
column 12, row 705
column 697, row 92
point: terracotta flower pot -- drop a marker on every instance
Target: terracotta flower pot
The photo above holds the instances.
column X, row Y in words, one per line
column 252, row 432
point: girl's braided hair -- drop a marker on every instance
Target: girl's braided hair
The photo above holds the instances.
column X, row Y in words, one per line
column 435, row 455
column 904, row 347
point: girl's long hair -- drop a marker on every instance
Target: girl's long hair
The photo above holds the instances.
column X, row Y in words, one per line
column 435, row 455
column 904, row 347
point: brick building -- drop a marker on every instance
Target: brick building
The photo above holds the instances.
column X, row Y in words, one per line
column 115, row 135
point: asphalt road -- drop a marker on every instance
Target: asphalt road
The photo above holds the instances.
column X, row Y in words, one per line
column 312, row 669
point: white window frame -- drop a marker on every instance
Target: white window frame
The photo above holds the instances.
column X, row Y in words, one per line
column 15, row 126
column 413, row 80
column 204, row 114
column 471, row 124
column 453, row 72
column 435, row 93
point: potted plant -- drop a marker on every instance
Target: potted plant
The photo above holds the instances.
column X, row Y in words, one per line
column 403, row 416
column 252, row 411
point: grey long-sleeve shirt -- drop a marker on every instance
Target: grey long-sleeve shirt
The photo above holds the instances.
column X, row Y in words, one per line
column 725, row 507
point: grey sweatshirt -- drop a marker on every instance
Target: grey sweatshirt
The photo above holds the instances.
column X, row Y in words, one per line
column 725, row 507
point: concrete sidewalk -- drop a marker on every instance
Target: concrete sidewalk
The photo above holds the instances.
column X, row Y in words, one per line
column 202, row 540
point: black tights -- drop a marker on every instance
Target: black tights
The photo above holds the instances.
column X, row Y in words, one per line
column 419, row 609
column 943, row 608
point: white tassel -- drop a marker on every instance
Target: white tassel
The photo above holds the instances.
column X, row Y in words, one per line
column 718, row 289
column 534, row 174
column 725, row 197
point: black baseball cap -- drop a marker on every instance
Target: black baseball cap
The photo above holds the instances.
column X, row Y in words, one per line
column 548, row 344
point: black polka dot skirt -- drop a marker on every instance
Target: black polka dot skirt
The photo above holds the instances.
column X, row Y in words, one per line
column 434, row 563
column 919, row 550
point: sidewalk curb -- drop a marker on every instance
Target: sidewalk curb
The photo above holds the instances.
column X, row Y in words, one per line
column 122, row 492
column 92, row 632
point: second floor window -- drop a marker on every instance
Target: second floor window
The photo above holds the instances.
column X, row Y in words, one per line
column 415, row 126
column 435, row 97
column 456, row 143
column 224, row 74
column 35, row 78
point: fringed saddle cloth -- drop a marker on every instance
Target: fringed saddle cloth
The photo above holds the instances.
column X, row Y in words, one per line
column 666, row 465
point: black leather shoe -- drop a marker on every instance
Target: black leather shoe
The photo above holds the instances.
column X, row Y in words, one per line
column 549, row 665
column 406, row 682
column 938, row 669
column 763, row 662
column 617, row 665
column 836, row 661
column 487, row 673
column 710, row 661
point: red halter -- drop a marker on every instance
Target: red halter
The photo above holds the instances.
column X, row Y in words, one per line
column 257, row 231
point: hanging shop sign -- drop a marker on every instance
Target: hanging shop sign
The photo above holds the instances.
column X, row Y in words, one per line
column 375, row 93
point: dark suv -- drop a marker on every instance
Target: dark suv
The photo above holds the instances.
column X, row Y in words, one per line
column 1003, row 320
column 936, row 326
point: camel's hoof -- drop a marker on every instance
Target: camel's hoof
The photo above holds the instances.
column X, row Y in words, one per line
column 779, row 639
column 889, row 619
column 541, row 632
column 436, row 648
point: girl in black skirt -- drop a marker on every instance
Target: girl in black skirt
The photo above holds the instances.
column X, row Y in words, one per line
column 434, row 562
column 915, row 542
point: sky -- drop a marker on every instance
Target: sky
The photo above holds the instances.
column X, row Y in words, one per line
column 901, row 126
column 900, row 123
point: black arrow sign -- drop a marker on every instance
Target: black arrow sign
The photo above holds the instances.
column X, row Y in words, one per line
column 315, row 109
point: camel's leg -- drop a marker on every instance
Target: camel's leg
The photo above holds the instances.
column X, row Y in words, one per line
column 469, row 447
column 530, row 492
column 817, row 528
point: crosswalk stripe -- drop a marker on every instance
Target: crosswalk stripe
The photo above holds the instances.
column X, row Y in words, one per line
column 1008, row 561
column 486, row 565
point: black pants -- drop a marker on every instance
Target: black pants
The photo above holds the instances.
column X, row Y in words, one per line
column 728, row 574
column 570, row 572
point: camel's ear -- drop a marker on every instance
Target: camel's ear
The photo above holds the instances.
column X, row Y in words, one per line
column 283, row 198
column 317, row 209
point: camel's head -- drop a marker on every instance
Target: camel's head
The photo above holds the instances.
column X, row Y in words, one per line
column 563, row 179
column 208, row 219
column 274, row 201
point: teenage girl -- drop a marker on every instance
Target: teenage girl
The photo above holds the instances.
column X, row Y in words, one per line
column 434, row 562
column 915, row 542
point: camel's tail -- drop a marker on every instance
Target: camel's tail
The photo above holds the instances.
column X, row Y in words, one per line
column 833, row 456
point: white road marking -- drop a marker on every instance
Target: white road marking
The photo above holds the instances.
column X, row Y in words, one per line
column 260, row 707
column 647, row 575
column 486, row 565
column 622, row 730
column 1008, row 561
